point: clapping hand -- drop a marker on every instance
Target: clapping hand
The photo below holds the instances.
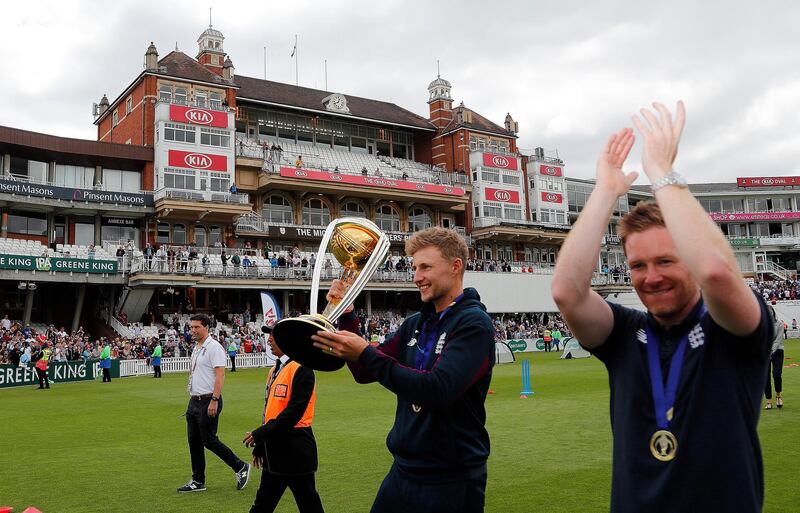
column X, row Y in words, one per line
column 609, row 164
column 661, row 137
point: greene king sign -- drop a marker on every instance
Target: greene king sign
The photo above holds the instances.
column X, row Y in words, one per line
column 196, row 116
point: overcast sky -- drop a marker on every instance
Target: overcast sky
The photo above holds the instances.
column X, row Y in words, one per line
column 569, row 72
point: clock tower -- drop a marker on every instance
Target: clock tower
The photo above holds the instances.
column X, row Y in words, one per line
column 440, row 102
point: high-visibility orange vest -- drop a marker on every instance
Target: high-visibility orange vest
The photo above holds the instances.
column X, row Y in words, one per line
column 281, row 391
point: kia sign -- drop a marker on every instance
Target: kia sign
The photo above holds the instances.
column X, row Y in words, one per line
column 194, row 160
column 552, row 197
column 550, row 170
column 768, row 181
column 501, row 195
column 500, row 161
column 386, row 183
column 196, row 116
column 756, row 216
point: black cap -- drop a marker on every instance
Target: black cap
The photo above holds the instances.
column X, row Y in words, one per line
column 266, row 329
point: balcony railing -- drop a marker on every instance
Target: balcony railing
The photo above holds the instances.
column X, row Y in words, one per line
column 195, row 195
column 485, row 222
column 208, row 105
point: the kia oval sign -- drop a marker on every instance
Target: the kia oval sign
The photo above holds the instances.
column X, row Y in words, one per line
column 768, row 181
column 500, row 161
column 501, row 195
column 552, row 197
column 194, row 160
column 550, row 170
column 196, row 116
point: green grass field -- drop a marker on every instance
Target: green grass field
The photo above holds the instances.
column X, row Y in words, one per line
column 121, row 447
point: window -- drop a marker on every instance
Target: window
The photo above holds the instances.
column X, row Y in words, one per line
column 492, row 209
column 162, row 233
column 165, row 94
column 490, row 176
column 215, row 137
column 115, row 118
column 28, row 169
column 215, row 101
column 74, row 176
column 277, row 209
column 387, row 218
column 128, row 105
column 512, row 179
column 179, row 178
column 200, row 235
column 179, row 234
column 200, row 98
column 181, row 96
column 215, row 235
column 755, row 205
column 553, row 216
column 513, row 212
column 178, row 132
column 315, row 212
column 220, row 182
column 353, row 209
column 28, row 223
column 119, row 180
column 418, row 219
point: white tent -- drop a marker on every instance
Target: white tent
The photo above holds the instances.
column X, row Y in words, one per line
column 572, row 349
column 503, row 353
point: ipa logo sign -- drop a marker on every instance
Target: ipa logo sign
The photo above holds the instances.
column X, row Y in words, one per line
column 197, row 161
column 201, row 117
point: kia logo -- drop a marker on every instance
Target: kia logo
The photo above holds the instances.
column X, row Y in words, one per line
column 498, row 161
column 300, row 173
column 197, row 161
column 337, row 178
column 502, row 195
column 552, row 171
column 198, row 116
column 553, row 198
column 448, row 189
column 420, row 187
column 767, row 181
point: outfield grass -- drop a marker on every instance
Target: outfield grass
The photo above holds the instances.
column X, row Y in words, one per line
column 121, row 447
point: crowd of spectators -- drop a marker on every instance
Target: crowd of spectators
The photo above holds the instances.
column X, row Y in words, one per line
column 528, row 325
column 778, row 290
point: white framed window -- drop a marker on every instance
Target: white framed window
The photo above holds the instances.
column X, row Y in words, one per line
column 513, row 212
column 219, row 182
column 179, row 132
column 492, row 209
column 115, row 118
column 387, row 218
column 490, row 176
column 215, row 101
column 74, row 176
column 200, row 98
column 511, row 178
column 315, row 212
column 165, row 94
column 418, row 219
column 353, row 209
column 128, row 105
column 179, row 178
column 277, row 209
column 215, row 137
column 181, row 96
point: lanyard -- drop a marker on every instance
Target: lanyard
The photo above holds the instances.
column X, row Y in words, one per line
column 664, row 398
column 423, row 353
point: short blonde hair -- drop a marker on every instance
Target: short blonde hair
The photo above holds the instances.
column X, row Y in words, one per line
column 449, row 243
column 645, row 215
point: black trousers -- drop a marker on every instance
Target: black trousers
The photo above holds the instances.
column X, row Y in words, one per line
column 44, row 379
column 273, row 485
column 202, row 434
column 156, row 371
column 106, row 375
column 547, row 347
column 776, row 360
column 400, row 493
column 233, row 363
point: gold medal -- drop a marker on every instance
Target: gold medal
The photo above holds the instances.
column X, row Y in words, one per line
column 663, row 445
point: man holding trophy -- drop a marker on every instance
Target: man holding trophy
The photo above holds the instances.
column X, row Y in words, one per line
column 439, row 364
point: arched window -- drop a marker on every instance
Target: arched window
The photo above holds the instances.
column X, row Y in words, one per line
column 162, row 234
column 200, row 235
column 418, row 219
column 277, row 209
column 315, row 212
column 387, row 218
column 353, row 209
column 178, row 234
column 214, row 235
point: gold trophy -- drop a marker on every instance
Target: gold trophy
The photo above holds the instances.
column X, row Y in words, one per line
column 361, row 248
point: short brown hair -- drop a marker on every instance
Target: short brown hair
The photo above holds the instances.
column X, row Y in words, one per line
column 451, row 244
column 645, row 215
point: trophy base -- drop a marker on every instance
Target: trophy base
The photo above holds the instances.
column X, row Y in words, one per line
column 293, row 336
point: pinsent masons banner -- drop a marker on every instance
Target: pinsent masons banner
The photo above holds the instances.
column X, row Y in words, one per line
column 69, row 193
column 197, row 116
column 371, row 181
column 59, row 372
column 61, row 265
column 500, row 161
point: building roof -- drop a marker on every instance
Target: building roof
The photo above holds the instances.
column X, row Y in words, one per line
column 46, row 147
column 477, row 122
column 311, row 99
column 179, row 65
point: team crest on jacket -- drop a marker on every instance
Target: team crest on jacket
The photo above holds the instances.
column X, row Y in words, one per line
column 641, row 336
column 696, row 337
column 440, row 343
column 412, row 342
column 415, row 408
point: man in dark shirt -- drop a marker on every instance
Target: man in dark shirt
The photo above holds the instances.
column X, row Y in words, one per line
column 686, row 377
column 439, row 364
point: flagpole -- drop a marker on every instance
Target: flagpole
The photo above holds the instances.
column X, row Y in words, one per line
column 265, row 63
column 326, row 74
column 296, row 58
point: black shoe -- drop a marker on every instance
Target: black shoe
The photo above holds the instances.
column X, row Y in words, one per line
column 243, row 476
column 48, row 386
column 39, row 388
column 192, row 486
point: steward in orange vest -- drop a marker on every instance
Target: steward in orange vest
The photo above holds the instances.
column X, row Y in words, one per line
column 284, row 446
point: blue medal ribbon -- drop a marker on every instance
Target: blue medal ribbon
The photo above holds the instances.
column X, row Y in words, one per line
column 664, row 399
column 423, row 353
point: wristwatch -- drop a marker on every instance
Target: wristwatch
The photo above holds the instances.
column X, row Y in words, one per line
column 671, row 178
column 214, row 398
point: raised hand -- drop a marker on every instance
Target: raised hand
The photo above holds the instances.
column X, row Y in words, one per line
column 661, row 137
column 609, row 164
